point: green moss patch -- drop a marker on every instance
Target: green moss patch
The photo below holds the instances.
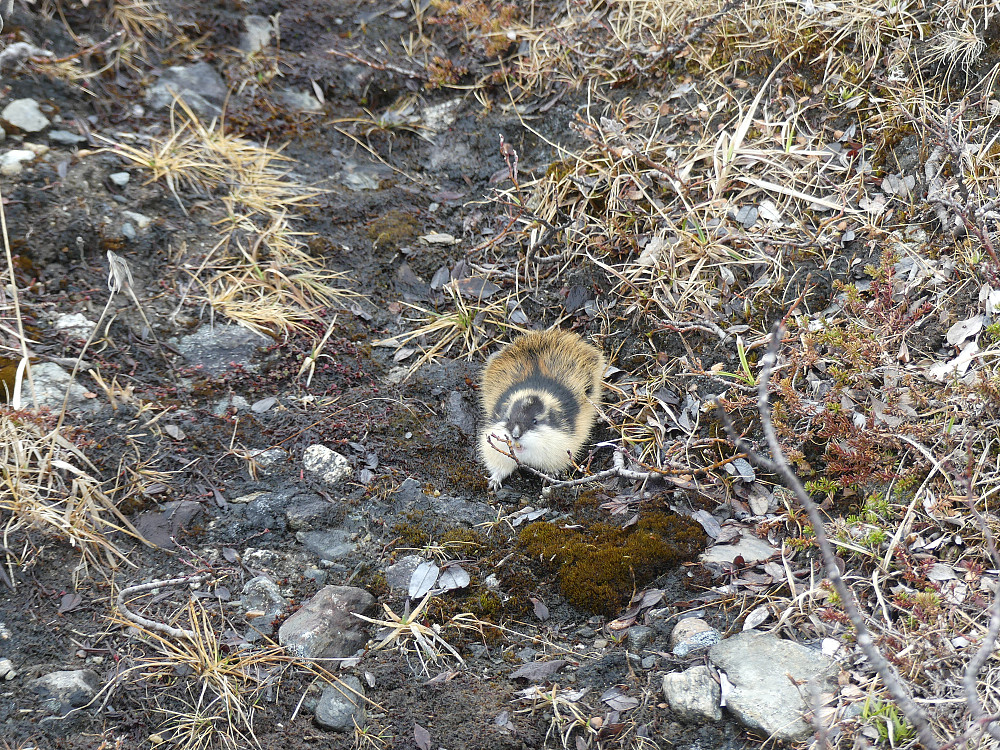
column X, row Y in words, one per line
column 599, row 567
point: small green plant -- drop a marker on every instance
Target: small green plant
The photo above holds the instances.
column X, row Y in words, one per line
column 888, row 721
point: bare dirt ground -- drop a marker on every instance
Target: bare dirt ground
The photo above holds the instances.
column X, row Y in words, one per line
column 385, row 193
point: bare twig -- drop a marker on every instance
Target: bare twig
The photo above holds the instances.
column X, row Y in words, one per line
column 152, row 624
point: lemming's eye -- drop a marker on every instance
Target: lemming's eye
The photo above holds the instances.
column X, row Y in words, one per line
column 534, row 421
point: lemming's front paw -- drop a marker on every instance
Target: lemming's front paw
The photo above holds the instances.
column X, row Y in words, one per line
column 495, row 481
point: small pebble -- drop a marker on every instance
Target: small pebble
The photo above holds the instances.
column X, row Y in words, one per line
column 120, row 178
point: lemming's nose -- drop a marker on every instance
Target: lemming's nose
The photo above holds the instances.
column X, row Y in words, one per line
column 516, row 432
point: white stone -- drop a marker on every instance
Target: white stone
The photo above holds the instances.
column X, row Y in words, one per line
column 25, row 115
column 76, row 323
column 12, row 161
column 330, row 466
column 141, row 220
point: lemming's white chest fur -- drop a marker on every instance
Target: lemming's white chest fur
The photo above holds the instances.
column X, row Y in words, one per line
column 544, row 448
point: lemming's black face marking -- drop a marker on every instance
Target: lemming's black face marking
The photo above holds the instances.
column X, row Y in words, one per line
column 562, row 416
column 526, row 414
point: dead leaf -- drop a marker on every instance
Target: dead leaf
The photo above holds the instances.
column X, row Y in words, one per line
column 422, row 737
column 538, row 671
column 423, row 579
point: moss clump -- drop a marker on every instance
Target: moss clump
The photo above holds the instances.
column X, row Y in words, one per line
column 598, row 567
column 393, row 229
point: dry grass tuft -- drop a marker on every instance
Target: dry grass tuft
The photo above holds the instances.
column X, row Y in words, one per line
column 472, row 326
column 259, row 273
column 48, row 488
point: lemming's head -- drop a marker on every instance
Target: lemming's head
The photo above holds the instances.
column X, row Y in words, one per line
column 531, row 410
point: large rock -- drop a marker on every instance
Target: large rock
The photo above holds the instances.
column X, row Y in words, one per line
column 342, row 706
column 772, row 680
column 63, row 691
column 198, row 85
column 693, row 695
column 325, row 627
column 215, row 349
column 51, row 382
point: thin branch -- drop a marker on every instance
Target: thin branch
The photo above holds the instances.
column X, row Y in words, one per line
column 152, row 624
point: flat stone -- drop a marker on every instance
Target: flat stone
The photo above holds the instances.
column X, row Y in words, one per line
column 329, row 545
column 66, row 138
column 51, row 382
column 299, row 101
column 342, row 706
column 75, row 323
column 310, row 513
column 120, row 178
column 749, row 547
column 772, row 680
column 217, row 349
column 198, row 85
column 693, row 695
column 25, row 115
column 63, row 691
column 325, row 627
column 399, row 574
column 257, row 35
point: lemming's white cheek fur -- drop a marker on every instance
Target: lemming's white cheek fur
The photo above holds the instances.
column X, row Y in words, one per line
column 545, row 448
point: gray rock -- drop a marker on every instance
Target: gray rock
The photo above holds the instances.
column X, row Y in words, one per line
column 223, row 405
column 325, row 627
column 263, row 595
column 118, row 178
column 315, row 574
column 326, row 465
column 693, row 634
column 299, row 101
column 51, row 382
column 198, row 85
column 128, row 232
column 460, row 414
column 269, row 459
column 66, row 138
column 399, row 574
column 76, row 324
column 62, row 691
column 12, row 162
column 342, row 706
column 328, row 545
column 693, row 695
column 24, row 115
column 310, row 513
column 215, row 349
column 639, row 637
column 16, row 53
column 257, row 35
column 771, row 681
column 409, row 493
column 749, row 547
